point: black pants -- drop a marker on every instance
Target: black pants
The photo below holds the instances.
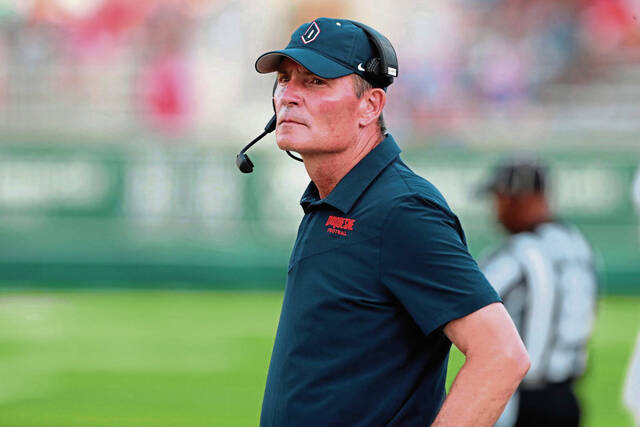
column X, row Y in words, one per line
column 553, row 405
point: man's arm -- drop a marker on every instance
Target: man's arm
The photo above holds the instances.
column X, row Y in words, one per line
column 496, row 361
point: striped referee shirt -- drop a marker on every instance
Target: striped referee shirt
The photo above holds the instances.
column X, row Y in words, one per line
column 548, row 283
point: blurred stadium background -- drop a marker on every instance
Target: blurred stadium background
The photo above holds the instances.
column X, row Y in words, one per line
column 119, row 124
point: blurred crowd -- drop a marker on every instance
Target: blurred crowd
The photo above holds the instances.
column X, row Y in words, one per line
column 508, row 51
column 55, row 54
column 133, row 65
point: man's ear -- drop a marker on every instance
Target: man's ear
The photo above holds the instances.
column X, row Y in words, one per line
column 371, row 105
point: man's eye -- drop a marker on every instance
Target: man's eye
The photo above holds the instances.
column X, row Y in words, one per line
column 283, row 79
column 317, row 81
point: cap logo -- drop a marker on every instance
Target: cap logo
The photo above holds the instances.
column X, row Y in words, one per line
column 311, row 33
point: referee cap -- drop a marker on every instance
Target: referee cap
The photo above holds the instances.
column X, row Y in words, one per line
column 329, row 48
column 517, row 176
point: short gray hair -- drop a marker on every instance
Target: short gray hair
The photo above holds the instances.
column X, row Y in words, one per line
column 361, row 86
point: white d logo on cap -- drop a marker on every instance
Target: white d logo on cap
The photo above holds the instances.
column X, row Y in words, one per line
column 311, row 33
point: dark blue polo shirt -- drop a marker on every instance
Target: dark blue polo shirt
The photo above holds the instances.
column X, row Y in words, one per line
column 379, row 267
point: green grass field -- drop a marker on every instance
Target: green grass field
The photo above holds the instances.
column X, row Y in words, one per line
column 193, row 358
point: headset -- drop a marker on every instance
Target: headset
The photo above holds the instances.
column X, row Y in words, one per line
column 242, row 160
column 379, row 71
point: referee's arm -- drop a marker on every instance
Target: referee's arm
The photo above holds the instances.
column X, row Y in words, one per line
column 496, row 361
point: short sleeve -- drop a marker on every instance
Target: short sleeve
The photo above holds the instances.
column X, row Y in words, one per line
column 425, row 264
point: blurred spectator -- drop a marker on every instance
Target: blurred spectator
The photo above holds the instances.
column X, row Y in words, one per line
column 546, row 277
column 499, row 52
column 165, row 86
column 521, row 45
column 104, row 29
column 4, row 72
column 608, row 24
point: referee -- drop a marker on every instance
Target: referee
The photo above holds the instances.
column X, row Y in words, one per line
column 545, row 274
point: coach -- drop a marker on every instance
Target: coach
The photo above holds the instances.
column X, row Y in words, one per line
column 380, row 280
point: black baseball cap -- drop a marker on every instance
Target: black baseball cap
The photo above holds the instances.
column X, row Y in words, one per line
column 328, row 47
column 517, row 176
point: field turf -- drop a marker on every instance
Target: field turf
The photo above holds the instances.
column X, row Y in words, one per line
column 194, row 358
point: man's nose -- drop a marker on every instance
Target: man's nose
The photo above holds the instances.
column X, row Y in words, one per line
column 290, row 93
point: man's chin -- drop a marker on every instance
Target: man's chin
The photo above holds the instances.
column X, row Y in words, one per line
column 289, row 144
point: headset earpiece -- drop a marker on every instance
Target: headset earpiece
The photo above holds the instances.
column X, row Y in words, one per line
column 372, row 73
column 382, row 69
column 372, row 66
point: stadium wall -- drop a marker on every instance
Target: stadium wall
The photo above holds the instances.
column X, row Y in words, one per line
column 184, row 217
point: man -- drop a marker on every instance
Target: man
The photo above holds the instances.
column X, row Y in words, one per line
column 546, row 277
column 380, row 281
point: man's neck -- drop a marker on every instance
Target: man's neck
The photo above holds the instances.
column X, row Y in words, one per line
column 535, row 213
column 326, row 170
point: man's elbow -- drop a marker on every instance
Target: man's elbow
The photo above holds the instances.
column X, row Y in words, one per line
column 523, row 363
column 517, row 359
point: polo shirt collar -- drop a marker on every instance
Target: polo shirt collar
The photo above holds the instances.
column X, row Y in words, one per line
column 356, row 181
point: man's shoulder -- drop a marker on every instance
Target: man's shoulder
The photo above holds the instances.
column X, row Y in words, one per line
column 399, row 184
column 522, row 243
column 512, row 248
column 564, row 241
column 555, row 241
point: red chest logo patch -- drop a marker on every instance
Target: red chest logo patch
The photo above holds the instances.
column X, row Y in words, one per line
column 339, row 225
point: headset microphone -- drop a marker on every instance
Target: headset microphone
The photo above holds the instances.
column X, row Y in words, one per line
column 242, row 160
